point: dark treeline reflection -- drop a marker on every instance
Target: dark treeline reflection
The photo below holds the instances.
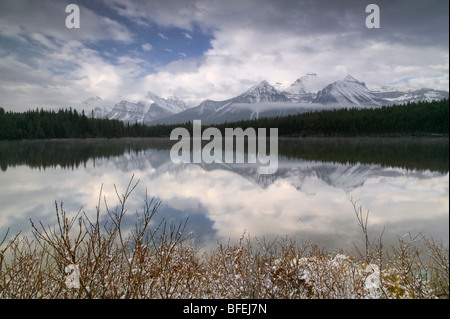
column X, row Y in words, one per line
column 409, row 153
column 406, row 152
column 71, row 154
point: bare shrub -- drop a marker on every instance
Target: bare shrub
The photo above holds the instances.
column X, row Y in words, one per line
column 82, row 257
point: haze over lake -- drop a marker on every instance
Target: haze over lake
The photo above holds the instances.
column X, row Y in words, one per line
column 403, row 182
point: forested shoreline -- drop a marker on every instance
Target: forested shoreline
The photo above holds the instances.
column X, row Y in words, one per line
column 421, row 118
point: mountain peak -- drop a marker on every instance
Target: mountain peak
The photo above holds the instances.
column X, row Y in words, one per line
column 172, row 104
column 92, row 100
column 261, row 92
column 150, row 95
column 348, row 91
column 305, row 88
column 350, row 78
column 309, row 83
column 263, row 85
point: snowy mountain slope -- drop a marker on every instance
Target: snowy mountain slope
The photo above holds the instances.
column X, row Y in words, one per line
column 97, row 106
column 171, row 104
column 281, row 86
column 234, row 109
column 397, row 96
column 307, row 93
column 348, row 91
column 150, row 108
column 129, row 112
column 256, row 100
column 304, row 89
column 262, row 92
column 204, row 111
column 264, row 100
column 308, row 83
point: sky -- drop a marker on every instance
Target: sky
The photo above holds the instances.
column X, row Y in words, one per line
column 212, row 49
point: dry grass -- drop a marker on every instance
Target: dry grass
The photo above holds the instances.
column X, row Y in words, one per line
column 84, row 258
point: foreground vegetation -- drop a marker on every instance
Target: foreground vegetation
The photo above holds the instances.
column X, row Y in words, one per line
column 421, row 118
column 82, row 257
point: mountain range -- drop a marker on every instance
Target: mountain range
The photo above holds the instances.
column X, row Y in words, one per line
column 307, row 93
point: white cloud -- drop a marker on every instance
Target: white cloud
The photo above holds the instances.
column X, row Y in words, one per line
column 235, row 204
column 238, row 59
column 147, row 47
column 282, row 41
column 66, row 76
column 264, row 40
column 162, row 36
column 52, row 65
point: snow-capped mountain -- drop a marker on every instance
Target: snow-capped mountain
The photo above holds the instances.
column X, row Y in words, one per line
column 141, row 112
column 264, row 100
column 281, row 86
column 397, row 96
column 128, row 111
column 262, row 92
column 307, row 93
column 206, row 111
column 258, row 99
column 304, row 89
column 96, row 106
column 348, row 91
column 151, row 107
column 171, row 104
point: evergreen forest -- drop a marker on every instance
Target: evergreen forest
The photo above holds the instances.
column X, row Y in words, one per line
column 421, row 118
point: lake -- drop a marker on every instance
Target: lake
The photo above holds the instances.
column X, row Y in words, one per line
column 402, row 182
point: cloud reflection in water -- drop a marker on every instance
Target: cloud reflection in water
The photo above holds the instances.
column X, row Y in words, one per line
column 309, row 200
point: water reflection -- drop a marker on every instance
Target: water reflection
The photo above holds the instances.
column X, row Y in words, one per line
column 308, row 197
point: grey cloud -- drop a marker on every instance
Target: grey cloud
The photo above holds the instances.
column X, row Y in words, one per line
column 21, row 18
column 252, row 40
column 415, row 22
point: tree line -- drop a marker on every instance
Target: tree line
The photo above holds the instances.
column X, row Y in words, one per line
column 48, row 124
column 406, row 119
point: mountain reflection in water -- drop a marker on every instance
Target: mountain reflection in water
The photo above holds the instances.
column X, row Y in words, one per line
column 404, row 183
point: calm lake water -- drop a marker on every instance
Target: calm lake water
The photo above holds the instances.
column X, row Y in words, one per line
column 403, row 182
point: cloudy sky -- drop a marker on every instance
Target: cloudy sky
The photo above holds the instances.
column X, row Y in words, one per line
column 215, row 49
